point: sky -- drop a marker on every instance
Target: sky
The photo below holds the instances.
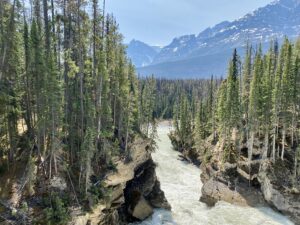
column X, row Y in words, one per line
column 157, row 22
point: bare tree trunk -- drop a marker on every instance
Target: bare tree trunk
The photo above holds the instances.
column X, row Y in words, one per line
column 274, row 146
column 296, row 165
column 99, row 110
column 12, row 135
column 87, row 177
column 266, row 145
column 250, row 152
column 283, row 143
column 293, row 124
column 127, row 128
column 250, row 146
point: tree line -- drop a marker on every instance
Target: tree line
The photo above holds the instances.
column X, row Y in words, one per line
column 169, row 92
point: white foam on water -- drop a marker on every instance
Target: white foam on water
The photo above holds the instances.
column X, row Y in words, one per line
column 181, row 184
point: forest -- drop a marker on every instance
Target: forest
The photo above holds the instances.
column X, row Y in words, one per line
column 257, row 102
column 69, row 101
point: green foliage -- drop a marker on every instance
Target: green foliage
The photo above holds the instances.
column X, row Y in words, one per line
column 56, row 211
column 112, row 166
column 232, row 105
column 221, row 107
column 229, row 153
column 99, row 193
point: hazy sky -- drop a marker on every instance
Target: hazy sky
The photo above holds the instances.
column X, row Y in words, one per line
column 157, row 22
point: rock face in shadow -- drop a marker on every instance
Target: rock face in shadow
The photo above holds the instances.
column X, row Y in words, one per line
column 189, row 153
column 142, row 194
column 135, row 192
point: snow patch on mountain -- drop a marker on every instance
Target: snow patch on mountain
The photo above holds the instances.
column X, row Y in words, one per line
column 276, row 20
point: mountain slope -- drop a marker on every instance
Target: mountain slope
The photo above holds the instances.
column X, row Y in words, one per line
column 140, row 53
column 276, row 20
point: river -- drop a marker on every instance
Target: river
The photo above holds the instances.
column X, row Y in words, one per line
column 182, row 186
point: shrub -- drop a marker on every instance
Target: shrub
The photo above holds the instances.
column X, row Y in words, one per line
column 56, row 212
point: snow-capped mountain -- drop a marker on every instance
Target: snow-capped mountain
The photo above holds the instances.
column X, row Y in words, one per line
column 209, row 52
column 141, row 54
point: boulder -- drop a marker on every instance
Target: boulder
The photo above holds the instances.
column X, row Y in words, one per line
column 214, row 191
column 224, row 185
column 142, row 209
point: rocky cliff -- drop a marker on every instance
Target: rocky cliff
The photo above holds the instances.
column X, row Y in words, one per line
column 188, row 151
column 250, row 180
column 278, row 190
column 135, row 191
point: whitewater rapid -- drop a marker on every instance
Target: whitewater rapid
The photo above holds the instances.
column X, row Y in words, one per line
column 182, row 186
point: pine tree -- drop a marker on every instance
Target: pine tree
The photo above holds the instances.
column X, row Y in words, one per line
column 287, row 93
column 232, row 101
column 247, row 75
column 268, row 76
column 10, row 76
column 221, row 108
column 255, row 99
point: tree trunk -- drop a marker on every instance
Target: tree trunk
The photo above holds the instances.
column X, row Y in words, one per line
column 250, row 146
column 127, row 127
column 250, row 152
column 99, row 105
column 296, row 165
column 266, row 145
column 12, row 134
column 274, row 146
column 283, row 143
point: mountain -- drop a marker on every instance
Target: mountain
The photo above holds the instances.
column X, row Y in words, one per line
column 141, row 54
column 208, row 52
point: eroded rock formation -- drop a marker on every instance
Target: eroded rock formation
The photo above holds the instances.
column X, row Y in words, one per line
column 135, row 192
column 252, row 180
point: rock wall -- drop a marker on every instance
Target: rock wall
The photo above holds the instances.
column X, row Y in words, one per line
column 135, row 192
column 275, row 188
column 254, row 182
column 189, row 153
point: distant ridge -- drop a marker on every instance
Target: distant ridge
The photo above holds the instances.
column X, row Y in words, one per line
column 140, row 53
